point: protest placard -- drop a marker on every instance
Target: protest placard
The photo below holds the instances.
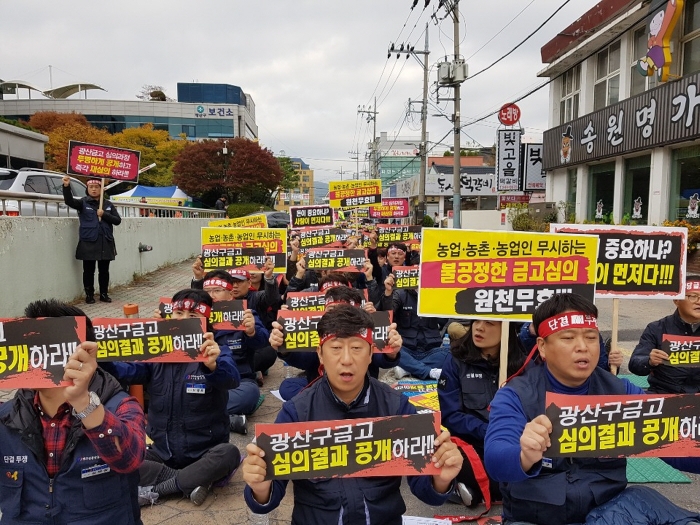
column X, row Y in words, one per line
column 426, row 401
column 105, row 162
column 273, row 240
column 390, row 209
column 386, row 446
column 149, row 340
column 406, row 277
column 228, row 315
column 305, row 216
column 222, row 258
column 336, row 259
column 317, row 237
column 501, row 274
column 682, row 350
column 306, row 301
column 34, row 352
column 636, row 262
column 249, row 221
column 391, row 233
column 354, row 193
column 652, row 425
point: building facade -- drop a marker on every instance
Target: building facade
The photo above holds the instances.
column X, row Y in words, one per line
column 624, row 137
column 202, row 111
column 302, row 195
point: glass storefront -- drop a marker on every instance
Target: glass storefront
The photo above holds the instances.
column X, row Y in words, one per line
column 635, row 204
column 601, row 178
column 684, row 201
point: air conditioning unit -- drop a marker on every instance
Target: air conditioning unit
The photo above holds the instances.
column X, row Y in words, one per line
column 444, row 73
column 459, row 71
column 540, row 209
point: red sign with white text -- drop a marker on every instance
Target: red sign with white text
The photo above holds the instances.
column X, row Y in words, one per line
column 390, row 209
column 509, row 115
column 105, row 162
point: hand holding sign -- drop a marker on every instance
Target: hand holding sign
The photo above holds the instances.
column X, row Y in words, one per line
column 79, row 369
column 276, row 335
column 210, row 350
column 448, row 459
column 657, row 357
column 269, row 268
column 249, row 323
column 66, row 181
column 254, row 473
column 389, row 285
column 534, row 441
column 394, row 341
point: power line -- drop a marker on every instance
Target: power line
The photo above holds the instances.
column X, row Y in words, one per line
column 501, row 31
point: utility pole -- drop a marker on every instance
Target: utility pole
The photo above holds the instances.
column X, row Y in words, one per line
column 456, row 183
column 356, row 157
column 372, row 115
column 423, row 150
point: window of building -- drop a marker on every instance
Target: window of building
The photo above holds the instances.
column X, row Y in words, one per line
column 305, row 178
column 684, row 200
column 691, row 37
column 570, row 91
column 189, row 130
column 639, row 83
column 607, row 77
column 601, row 178
column 635, row 206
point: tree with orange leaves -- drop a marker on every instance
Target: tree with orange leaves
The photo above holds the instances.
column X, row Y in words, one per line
column 57, row 148
column 46, row 121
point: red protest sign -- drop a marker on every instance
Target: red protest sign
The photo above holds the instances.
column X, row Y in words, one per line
column 106, row 162
column 149, row 340
column 654, row 425
column 390, row 209
column 228, row 315
column 34, row 352
column 386, row 446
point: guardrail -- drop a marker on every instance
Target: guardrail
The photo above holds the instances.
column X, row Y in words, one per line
column 18, row 204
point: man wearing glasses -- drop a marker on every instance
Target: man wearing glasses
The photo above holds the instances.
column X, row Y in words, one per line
column 649, row 359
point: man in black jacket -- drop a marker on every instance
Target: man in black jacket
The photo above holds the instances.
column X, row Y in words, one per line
column 96, row 241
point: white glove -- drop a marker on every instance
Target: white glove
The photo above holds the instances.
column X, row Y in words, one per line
column 435, row 373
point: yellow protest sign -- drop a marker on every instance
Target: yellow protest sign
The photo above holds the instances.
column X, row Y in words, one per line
column 354, row 193
column 273, row 240
column 249, row 221
column 475, row 274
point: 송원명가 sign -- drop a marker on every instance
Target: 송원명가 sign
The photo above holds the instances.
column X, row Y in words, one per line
column 501, row 274
column 106, row 162
column 386, row 446
column 636, row 262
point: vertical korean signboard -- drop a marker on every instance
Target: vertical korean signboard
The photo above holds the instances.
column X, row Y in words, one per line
column 508, row 169
column 476, row 274
column 535, row 177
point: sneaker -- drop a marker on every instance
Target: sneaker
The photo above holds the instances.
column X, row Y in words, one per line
column 238, row 424
column 464, row 494
column 147, row 496
column 199, row 495
column 104, row 298
column 400, row 372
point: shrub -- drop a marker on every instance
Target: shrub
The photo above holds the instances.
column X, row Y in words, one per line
column 693, row 232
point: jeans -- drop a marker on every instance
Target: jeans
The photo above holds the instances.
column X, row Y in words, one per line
column 242, row 400
column 419, row 363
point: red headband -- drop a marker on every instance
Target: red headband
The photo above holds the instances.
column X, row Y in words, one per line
column 331, row 284
column 330, row 300
column 692, row 286
column 95, row 182
column 218, row 282
column 566, row 321
column 363, row 334
column 189, row 305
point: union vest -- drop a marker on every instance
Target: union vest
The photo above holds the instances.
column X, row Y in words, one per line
column 90, row 225
column 571, row 488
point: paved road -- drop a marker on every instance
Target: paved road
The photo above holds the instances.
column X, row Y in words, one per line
column 226, row 506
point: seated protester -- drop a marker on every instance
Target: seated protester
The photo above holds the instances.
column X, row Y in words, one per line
column 346, row 391
column 648, row 358
column 468, row 382
column 245, row 345
column 422, row 353
column 397, row 254
column 300, row 279
column 605, row 361
column 308, row 361
column 60, row 433
column 187, row 418
column 554, row 491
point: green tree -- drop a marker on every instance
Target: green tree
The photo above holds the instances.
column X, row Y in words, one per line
column 201, row 169
column 156, row 146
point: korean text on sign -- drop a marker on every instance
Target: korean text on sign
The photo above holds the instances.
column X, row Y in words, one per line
column 355, row 193
column 481, row 274
column 299, row 328
column 94, row 160
column 249, row 221
column 273, row 240
column 395, row 446
column 682, row 350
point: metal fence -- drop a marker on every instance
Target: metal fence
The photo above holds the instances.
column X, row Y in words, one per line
column 19, row 205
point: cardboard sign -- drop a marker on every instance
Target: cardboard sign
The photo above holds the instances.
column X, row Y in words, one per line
column 406, row 277
column 354, row 193
column 390, row 209
column 228, row 315
column 478, row 274
column 273, row 240
column 636, row 262
column 390, row 233
column 249, row 221
column 310, row 216
column 165, row 307
column 682, row 350
column 105, row 162
column 306, row 301
column 386, row 446
column 336, row 259
column 149, row 340
column 220, row 257
column 34, row 352
column 658, row 425
column 317, row 237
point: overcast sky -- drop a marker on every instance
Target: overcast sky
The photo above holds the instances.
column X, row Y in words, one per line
column 308, row 64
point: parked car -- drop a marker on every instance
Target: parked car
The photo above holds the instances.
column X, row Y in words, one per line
column 38, row 185
column 275, row 219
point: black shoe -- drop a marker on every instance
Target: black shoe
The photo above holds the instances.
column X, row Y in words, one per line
column 89, row 299
column 199, row 495
column 238, row 424
column 104, row 298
